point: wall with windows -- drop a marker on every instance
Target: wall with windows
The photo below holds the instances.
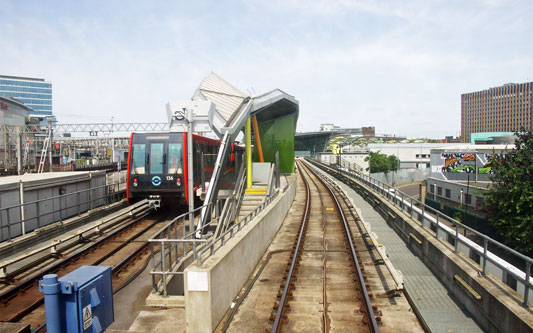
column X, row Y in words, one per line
column 34, row 93
column 455, row 193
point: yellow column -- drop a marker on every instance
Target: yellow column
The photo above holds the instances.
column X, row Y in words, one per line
column 248, row 134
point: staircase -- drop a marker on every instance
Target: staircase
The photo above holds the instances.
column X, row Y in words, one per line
column 252, row 199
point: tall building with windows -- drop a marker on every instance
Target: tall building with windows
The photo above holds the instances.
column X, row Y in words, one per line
column 34, row 93
column 501, row 109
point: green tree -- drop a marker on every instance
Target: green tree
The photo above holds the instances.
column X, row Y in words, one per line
column 510, row 199
column 382, row 163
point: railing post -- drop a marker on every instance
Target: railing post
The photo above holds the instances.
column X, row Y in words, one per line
column 60, row 210
column 423, row 212
column 176, row 237
column 184, row 236
column 154, row 285
column 90, row 197
column 411, row 207
column 163, row 269
column 53, row 208
column 21, row 200
column 526, row 289
column 456, row 237
column 437, row 231
column 37, row 214
column 485, row 248
column 78, row 202
column 169, row 253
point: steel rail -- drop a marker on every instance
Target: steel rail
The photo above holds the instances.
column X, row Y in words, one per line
column 284, row 296
column 366, row 297
column 31, row 282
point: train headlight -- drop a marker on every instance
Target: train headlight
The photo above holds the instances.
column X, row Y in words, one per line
column 134, row 181
column 178, row 181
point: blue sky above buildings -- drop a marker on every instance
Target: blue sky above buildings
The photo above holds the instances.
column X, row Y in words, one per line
column 398, row 65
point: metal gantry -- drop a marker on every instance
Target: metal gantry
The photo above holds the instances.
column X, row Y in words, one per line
column 21, row 145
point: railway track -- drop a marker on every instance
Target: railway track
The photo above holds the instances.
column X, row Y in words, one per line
column 125, row 249
column 324, row 286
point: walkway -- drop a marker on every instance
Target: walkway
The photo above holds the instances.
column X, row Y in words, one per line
column 439, row 309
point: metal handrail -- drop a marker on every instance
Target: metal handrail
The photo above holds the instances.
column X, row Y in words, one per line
column 169, row 259
column 109, row 197
column 55, row 247
column 398, row 198
column 221, row 240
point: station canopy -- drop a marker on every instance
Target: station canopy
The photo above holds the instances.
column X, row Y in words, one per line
column 276, row 113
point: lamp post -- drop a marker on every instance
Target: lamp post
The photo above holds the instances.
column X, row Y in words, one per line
column 466, row 199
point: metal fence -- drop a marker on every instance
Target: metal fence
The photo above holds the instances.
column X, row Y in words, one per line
column 174, row 245
column 14, row 220
column 446, row 228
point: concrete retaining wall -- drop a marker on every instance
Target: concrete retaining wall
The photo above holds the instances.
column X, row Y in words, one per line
column 210, row 289
column 497, row 310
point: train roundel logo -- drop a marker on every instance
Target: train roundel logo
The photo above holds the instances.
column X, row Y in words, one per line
column 156, row 181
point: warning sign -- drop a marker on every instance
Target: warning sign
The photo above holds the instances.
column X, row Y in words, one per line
column 87, row 317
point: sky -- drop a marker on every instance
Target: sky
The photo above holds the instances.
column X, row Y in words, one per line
column 400, row 66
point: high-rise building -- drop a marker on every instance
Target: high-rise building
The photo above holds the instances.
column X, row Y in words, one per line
column 34, row 93
column 502, row 109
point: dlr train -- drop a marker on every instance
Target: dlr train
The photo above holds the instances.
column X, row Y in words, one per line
column 158, row 167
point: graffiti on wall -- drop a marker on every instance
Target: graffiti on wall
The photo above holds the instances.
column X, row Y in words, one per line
column 462, row 166
column 486, row 169
column 459, row 162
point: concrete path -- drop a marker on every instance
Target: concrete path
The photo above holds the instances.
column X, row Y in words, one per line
column 439, row 309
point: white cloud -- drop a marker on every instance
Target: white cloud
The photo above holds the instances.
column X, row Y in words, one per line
column 400, row 66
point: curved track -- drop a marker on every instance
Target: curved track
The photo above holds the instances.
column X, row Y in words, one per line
column 324, row 287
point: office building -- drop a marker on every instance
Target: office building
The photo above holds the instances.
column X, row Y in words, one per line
column 502, row 109
column 34, row 93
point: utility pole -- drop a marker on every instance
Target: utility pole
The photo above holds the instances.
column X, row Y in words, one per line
column 50, row 140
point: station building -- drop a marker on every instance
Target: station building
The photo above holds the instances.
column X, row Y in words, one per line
column 13, row 112
column 35, row 93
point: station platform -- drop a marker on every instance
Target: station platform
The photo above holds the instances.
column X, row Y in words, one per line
column 132, row 314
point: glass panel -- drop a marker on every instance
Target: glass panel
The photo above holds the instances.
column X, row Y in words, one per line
column 156, row 158
column 139, row 159
column 174, row 158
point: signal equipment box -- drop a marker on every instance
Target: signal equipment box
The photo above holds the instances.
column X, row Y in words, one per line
column 81, row 301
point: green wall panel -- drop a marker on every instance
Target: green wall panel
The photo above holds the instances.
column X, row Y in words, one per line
column 278, row 135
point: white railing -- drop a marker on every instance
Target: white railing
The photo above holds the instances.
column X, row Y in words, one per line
column 428, row 217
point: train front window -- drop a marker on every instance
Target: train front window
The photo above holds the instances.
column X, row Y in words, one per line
column 156, row 158
column 139, row 159
column 174, row 158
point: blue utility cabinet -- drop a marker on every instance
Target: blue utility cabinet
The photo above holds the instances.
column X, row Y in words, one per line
column 81, row 301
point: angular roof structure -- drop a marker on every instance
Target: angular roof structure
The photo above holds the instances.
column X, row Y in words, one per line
column 226, row 97
column 233, row 106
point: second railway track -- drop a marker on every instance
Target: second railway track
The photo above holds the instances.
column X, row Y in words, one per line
column 125, row 249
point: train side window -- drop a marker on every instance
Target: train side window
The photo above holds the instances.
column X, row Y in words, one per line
column 175, row 158
column 156, row 158
column 139, row 159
